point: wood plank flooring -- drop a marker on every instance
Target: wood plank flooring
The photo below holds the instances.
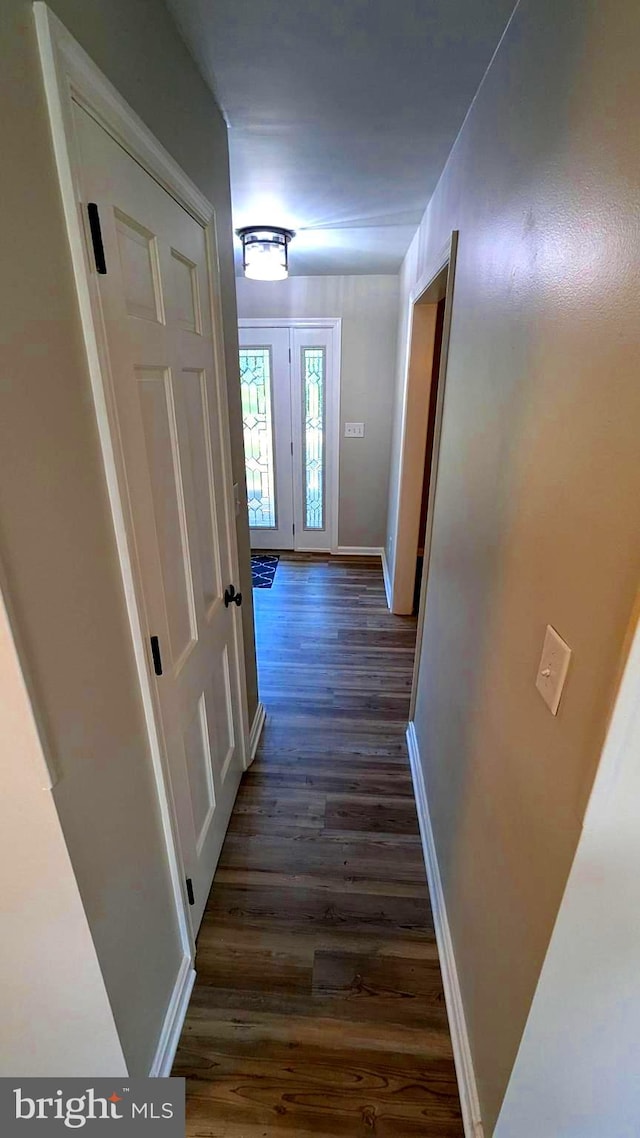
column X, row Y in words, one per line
column 318, row 1009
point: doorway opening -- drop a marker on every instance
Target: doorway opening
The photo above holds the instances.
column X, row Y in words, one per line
column 427, row 347
column 428, row 454
column 290, row 389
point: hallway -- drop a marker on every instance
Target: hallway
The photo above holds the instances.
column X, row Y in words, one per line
column 318, row 1007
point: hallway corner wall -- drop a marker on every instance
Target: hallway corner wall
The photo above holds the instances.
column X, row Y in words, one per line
column 56, row 1019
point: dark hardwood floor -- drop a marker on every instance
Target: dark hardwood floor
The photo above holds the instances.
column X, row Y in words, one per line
column 318, row 1009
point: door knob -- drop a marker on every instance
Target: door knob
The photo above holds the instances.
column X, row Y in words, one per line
column 230, row 596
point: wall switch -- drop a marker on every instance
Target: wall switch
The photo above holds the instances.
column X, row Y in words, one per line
column 552, row 672
column 354, row 430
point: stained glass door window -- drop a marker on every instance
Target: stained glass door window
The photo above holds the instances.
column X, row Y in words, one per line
column 313, row 437
column 255, row 386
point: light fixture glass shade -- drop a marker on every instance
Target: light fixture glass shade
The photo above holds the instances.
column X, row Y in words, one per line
column 265, row 252
column 264, row 262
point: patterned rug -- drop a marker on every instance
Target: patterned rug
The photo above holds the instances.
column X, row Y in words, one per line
column 263, row 569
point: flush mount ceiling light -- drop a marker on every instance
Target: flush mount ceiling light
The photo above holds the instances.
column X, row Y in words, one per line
column 265, row 252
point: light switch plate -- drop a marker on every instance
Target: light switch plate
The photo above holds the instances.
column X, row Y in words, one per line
column 552, row 672
column 354, row 430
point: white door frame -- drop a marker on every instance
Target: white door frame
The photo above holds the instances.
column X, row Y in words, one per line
column 70, row 76
column 334, row 324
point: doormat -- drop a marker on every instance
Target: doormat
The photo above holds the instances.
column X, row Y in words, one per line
column 263, row 569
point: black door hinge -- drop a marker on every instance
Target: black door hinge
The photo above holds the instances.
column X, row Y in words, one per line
column 155, row 653
column 231, row 597
column 96, row 238
column 190, row 894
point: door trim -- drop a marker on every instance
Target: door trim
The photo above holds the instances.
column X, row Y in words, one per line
column 259, row 721
column 69, row 75
column 420, row 330
column 334, row 323
column 450, row 265
column 462, row 1057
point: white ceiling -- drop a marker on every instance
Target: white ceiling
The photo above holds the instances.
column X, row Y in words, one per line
column 341, row 113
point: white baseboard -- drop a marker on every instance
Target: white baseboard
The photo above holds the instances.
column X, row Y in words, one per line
column 453, row 996
column 358, row 551
column 259, row 721
column 173, row 1021
column 387, row 579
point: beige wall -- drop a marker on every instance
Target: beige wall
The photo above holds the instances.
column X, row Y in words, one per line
column 536, row 513
column 55, row 529
column 368, row 306
column 56, row 1019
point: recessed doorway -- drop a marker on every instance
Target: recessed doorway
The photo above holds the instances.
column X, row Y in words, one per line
column 427, row 347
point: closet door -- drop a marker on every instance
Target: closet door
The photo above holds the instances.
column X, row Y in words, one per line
column 168, row 393
column 265, row 386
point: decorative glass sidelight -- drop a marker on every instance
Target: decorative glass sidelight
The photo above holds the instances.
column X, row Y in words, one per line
column 255, row 386
column 313, row 437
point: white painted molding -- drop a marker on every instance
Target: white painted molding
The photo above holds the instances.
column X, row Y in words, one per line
column 173, row 1021
column 433, row 268
column 453, row 996
column 259, row 721
column 288, row 322
column 358, row 551
column 388, row 588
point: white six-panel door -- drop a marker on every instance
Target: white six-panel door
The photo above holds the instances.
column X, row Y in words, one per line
column 290, row 389
column 157, row 313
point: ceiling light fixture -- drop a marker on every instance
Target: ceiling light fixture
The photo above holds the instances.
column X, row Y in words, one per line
column 265, row 254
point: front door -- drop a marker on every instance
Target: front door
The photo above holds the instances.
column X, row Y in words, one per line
column 157, row 310
column 289, row 409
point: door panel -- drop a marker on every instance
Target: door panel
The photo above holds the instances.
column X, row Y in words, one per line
column 167, row 398
column 185, row 279
column 266, row 414
column 200, row 770
column 140, row 269
column 313, row 435
column 163, row 462
column 221, row 715
column 193, row 414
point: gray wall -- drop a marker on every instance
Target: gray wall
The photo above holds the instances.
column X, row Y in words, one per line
column 56, row 537
column 368, row 306
column 536, row 511
column 56, row 1018
column 580, row 1045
